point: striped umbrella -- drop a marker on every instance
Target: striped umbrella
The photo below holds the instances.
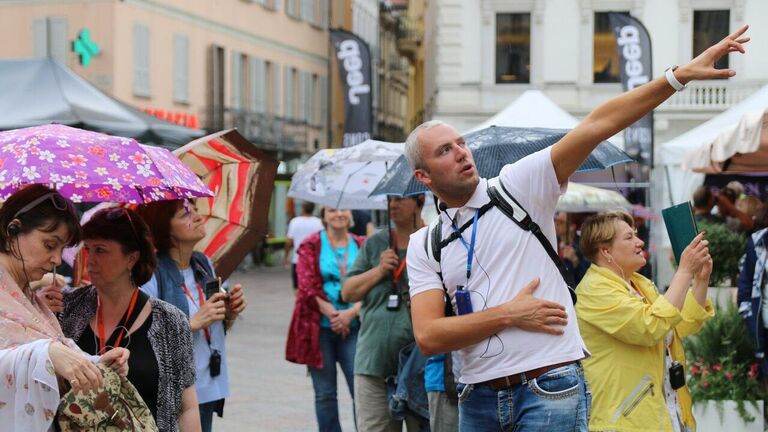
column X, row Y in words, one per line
column 242, row 178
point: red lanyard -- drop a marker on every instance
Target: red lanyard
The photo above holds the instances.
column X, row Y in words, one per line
column 123, row 330
column 342, row 265
column 202, row 302
column 401, row 267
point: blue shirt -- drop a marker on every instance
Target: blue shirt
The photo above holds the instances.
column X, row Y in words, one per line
column 330, row 259
column 208, row 388
column 434, row 373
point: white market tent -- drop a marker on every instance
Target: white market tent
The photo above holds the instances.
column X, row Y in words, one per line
column 531, row 109
column 682, row 182
column 534, row 109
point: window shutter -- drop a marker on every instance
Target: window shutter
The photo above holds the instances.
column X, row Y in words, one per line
column 40, row 37
column 58, row 42
column 141, row 82
column 290, row 7
column 180, row 68
column 288, row 92
column 237, row 81
column 323, row 101
column 276, row 88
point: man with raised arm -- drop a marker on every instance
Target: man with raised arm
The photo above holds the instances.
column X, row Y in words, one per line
column 519, row 341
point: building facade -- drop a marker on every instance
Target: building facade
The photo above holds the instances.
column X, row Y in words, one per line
column 485, row 53
column 258, row 65
column 482, row 54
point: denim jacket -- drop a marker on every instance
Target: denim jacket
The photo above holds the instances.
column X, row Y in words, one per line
column 169, row 279
column 407, row 393
column 750, row 289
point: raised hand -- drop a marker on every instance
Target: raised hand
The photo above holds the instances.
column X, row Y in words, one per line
column 214, row 309
column 703, row 66
column 388, row 261
column 695, row 256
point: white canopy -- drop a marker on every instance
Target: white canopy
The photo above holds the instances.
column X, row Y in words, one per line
column 673, row 153
column 531, row 109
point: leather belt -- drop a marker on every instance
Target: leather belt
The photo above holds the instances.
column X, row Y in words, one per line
column 506, row 382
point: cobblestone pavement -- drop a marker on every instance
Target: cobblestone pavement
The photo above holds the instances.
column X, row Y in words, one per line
column 267, row 392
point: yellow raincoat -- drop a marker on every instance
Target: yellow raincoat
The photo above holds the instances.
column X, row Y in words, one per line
column 626, row 335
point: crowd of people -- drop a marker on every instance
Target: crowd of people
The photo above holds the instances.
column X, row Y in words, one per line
column 492, row 300
column 471, row 323
column 141, row 344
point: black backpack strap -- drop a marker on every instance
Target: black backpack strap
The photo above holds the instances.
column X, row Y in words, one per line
column 513, row 210
column 432, row 247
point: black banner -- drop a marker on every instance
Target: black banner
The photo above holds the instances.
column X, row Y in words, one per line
column 354, row 59
column 634, row 46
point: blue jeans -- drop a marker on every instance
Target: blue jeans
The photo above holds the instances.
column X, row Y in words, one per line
column 334, row 349
column 557, row 401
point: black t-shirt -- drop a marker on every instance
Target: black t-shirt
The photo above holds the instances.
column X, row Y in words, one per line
column 143, row 371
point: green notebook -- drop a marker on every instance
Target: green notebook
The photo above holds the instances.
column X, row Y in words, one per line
column 681, row 227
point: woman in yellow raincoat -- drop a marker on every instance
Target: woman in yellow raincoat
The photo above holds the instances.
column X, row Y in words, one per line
column 634, row 333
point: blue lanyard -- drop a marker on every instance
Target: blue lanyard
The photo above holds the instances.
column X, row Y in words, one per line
column 471, row 246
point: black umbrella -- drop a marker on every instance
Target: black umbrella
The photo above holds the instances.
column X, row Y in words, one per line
column 494, row 147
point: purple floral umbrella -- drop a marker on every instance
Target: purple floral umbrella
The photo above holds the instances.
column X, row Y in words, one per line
column 88, row 166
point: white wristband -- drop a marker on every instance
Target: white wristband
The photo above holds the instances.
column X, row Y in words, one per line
column 669, row 74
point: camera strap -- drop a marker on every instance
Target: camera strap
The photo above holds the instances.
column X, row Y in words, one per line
column 201, row 296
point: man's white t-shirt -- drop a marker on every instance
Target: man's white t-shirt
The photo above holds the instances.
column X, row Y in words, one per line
column 506, row 260
column 300, row 228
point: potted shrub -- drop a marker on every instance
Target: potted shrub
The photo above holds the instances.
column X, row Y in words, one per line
column 723, row 375
column 726, row 248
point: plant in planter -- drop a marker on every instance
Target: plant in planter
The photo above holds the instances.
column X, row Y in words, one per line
column 726, row 248
column 722, row 365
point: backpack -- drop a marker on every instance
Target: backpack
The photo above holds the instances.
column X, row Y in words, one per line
column 507, row 204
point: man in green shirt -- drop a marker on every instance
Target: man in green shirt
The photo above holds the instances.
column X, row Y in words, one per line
column 379, row 279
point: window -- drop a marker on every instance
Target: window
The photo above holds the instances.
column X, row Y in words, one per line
column 513, row 48
column 180, row 68
column 291, row 8
column 709, row 28
column 605, row 57
column 141, row 82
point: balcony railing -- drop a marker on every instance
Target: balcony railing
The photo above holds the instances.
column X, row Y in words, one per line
column 711, row 95
column 267, row 131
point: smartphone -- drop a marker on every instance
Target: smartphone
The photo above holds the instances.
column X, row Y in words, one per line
column 212, row 287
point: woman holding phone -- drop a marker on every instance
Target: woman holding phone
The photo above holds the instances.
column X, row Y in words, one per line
column 182, row 278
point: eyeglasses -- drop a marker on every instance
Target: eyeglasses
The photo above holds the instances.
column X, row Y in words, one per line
column 59, row 203
column 115, row 213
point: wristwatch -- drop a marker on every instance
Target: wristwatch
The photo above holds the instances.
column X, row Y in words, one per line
column 669, row 74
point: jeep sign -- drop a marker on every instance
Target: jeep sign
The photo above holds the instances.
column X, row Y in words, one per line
column 634, row 47
column 354, row 61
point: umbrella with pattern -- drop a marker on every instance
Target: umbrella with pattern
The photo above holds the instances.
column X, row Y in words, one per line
column 494, row 147
column 87, row 166
column 242, row 177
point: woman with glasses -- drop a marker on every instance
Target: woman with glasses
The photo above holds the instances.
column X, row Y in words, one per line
column 324, row 327
column 37, row 362
column 181, row 277
column 114, row 312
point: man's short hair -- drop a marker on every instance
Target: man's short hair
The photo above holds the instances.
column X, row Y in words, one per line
column 308, row 207
column 412, row 150
column 702, row 197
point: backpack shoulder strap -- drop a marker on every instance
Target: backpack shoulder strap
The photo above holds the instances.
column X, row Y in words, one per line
column 432, row 246
column 508, row 205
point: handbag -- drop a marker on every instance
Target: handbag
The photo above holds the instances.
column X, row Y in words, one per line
column 117, row 407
